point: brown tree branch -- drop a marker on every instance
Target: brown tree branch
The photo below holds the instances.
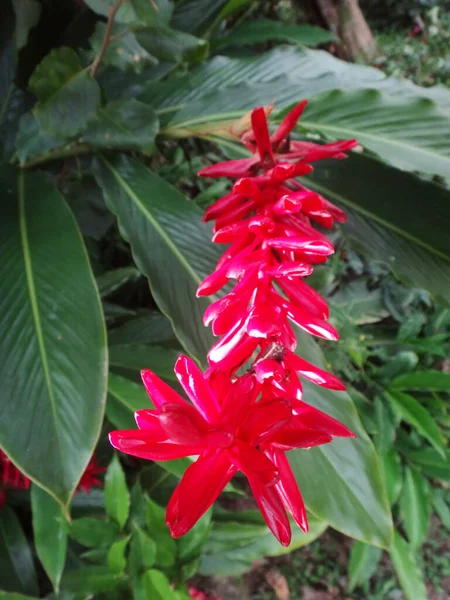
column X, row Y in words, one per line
column 107, row 37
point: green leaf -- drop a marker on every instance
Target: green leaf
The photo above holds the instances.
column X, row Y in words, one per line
column 68, row 96
column 258, row 31
column 93, row 533
column 383, row 221
column 126, row 124
column 364, row 561
column 16, row 562
column 50, row 534
column 150, row 327
column 27, row 14
column 15, row 104
column 423, row 381
column 361, row 305
column 432, row 463
column 415, row 504
column 232, row 547
column 145, row 356
column 408, row 133
column 111, row 281
column 391, row 469
column 408, row 572
column 402, row 362
column 125, row 14
column 30, row 141
column 169, row 45
column 125, row 397
column 89, row 581
column 53, row 354
column 142, row 551
column 385, row 427
column 196, row 16
column 116, row 555
column 166, row 548
column 14, row 596
column 117, row 497
column 123, row 52
column 441, row 506
column 154, row 12
column 358, row 510
column 416, row 415
column 157, row 586
column 153, row 213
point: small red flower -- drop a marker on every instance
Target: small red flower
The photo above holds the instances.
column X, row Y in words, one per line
column 11, row 478
column 231, row 426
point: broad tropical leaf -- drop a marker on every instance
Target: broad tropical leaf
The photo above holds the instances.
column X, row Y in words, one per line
column 50, row 534
column 407, row 569
column 124, row 398
column 145, row 356
column 258, row 31
column 53, row 351
column 16, row 562
column 364, row 561
column 169, row 243
column 233, row 546
column 415, row 504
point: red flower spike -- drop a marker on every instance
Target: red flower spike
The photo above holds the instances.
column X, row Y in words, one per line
column 247, row 422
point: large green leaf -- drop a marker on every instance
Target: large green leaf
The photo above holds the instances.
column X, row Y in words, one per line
column 68, row 97
column 423, row 381
column 50, row 534
column 145, row 356
column 126, row 124
column 258, row 31
column 342, row 482
column 124, row 398
column 386, row 217
column 415, row 504
column 196, row 16
column 432, row 463
column 233, row 546
column 53, row 351
column 364, row 561
column 117, row 496
column 16, row 563
column 150, row 327
column 169, row 244
column 407, row 570
column 416, row 415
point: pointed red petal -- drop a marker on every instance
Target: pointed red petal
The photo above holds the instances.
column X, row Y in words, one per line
column 199, row 487
column 288, row 489
column 193, row 382
column 311, row 372
column 222, row 205
column 183, row 424
column 265, row 419
column 289, row 122
column 261, row 131
column 159, row 392
column 271, row 507
column 147, row 420
column 313, row 418
column 253, row 463
column 230, row 168
column 141, row 444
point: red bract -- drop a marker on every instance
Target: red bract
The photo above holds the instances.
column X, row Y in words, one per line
column 11, row 478
column 246, row 423
column 232, row 426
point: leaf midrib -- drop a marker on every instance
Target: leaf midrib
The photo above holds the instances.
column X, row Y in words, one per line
column 35, row 307
column 386, row 224
column 161, row 231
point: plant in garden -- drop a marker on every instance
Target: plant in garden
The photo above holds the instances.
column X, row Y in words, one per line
column 247, row 422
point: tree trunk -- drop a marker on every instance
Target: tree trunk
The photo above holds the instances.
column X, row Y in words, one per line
column 345, row 19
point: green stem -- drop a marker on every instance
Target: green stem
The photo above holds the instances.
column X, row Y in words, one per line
column 66, row 151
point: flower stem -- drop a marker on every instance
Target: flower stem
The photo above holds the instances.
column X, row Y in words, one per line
column 107, row 37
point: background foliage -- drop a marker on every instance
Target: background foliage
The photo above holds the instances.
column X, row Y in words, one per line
column 103, row 248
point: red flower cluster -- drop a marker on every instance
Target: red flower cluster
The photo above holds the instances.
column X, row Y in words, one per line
column 246, row 423
column 11, row 478
column 198, row 595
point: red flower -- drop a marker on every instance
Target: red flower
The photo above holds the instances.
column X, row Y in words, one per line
column 11, row 478
column 231, row 425
column 246, row 423
column 89, row 478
